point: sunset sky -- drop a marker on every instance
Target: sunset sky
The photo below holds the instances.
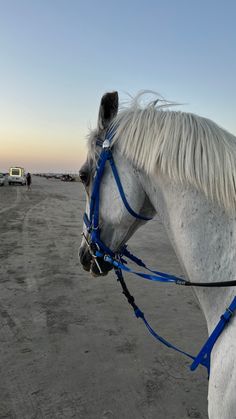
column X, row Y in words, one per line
column 59, row 56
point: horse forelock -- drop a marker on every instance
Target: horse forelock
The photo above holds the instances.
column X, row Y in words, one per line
column 186, row 147
column 91, row 146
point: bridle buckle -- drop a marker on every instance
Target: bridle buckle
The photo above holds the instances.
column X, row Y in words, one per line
column 106, row 144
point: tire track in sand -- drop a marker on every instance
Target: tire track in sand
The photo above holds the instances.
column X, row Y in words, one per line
column 14, row 205
column 20, row 398
column 34, row 226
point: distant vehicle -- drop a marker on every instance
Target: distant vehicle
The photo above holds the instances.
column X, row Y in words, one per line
column 2, row 179
column 17, row 175
column 67, row 178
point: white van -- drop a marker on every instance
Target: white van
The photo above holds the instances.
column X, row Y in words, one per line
column 17, row 175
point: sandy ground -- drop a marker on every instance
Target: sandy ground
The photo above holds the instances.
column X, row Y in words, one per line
column 70, row 344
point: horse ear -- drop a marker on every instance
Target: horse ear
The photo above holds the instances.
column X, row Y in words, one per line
column 108, row 109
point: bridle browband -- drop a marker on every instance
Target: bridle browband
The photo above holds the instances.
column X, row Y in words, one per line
column 99, row 250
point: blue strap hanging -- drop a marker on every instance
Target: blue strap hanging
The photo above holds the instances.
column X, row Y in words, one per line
column 203, row 357
column 205, row 352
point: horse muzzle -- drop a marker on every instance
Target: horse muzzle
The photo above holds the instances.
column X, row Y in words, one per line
column 96, row 267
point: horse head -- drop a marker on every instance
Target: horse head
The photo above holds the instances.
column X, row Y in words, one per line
column 116, row 224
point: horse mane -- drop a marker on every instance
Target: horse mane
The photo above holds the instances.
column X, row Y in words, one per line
column 186, row 147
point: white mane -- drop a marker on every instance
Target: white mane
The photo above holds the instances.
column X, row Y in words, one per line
column 184, row 146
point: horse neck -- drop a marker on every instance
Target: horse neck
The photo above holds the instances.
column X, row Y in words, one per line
column 203, row 236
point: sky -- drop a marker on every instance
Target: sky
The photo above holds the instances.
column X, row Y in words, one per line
column 58, row 57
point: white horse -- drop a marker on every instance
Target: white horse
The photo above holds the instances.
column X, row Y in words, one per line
column 182, row 167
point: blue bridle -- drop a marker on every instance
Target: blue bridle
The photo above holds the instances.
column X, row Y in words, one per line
column 92, row 222
column 98, row 249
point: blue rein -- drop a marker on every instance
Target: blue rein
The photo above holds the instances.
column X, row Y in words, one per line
column 99, row 250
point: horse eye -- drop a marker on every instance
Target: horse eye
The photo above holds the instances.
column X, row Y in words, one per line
column 84, row 177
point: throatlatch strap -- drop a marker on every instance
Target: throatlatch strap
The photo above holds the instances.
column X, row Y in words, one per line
column 122, row 194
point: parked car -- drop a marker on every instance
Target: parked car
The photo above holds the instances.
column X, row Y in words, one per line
column 17, row 175
column 2, row 179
